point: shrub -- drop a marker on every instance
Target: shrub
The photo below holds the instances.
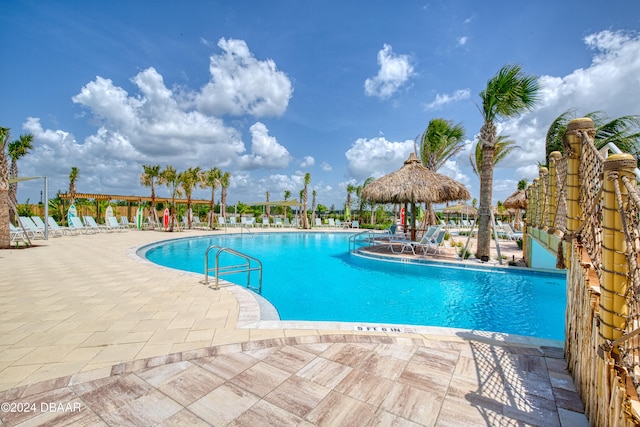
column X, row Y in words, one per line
column 467, row 254
column 519, row 243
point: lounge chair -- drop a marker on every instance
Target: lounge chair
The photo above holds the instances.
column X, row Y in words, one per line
column 265, row 222
column 91, row 223
column 277, row 222
column 40, row 224
column 112, row 222
column 318, row 222
column 124, row 221
column 355, row 224
column 432, row 243
column 78, row 227
column 32, row 229
column 332, row 223
column 53, row 225
column 17, row 235
column 339, row 224
column 410, row 245
column 232, row 221
column 287, row 223
column 294, row 223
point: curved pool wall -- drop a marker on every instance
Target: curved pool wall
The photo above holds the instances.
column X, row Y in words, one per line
column 270, row 320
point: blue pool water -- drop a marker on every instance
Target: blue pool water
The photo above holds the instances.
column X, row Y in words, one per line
column 312, row 276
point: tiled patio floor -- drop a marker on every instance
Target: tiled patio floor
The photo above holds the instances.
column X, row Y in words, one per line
column 90, row 335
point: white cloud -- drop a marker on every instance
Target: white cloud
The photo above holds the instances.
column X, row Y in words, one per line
column 326, row 167
column 266, row 151
column 241, row 84
column 610, row 84
column 376, row 157
column 444, row 99
column 307, row 162
column 394, row 71
column 463, row 40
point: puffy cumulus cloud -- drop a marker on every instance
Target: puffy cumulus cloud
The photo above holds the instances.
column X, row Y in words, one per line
column 376, row 157
column 241, row 84
column 265, row 150
column 307, row 162
column 462, row 40
column 610, row 84
column 326, row 167
column 395, row 70
column 445, row 98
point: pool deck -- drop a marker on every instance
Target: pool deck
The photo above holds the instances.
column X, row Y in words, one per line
column 91, row 334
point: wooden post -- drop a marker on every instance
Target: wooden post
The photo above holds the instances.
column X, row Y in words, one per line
column 574, row 210
column 554, row 156
column 615, row 267
column 542, row 198
column 535, row 221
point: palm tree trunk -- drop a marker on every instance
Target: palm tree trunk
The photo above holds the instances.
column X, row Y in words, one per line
column 5, row 236
column 484, row 213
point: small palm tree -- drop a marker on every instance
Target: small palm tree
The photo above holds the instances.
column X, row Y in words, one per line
column 361, row 201
column 225, row 180
column 73, row 177
column 305, row 197
column 287, row 194
column 169, row 177
column 623, row 131
column 508, row 94
column 5, row 235
column 313, row 206
column 522, row 184
column 188, row 180
column 211, row 179
column 503, row 147
column 350, row 190
column 149, row 178
column 17, row 149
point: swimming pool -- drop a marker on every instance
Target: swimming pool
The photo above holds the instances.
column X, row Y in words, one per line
column 312, row 276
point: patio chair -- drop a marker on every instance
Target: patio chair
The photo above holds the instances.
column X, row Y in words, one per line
column 78, row 227
column 40, row 224
column 433, row 243
column 318, row 222
column 53, row 225
column 32, row 230
column 91, row 223
column 332, row 223
column 265, row 222
column 16, row 234
column 124, row 221
column 112, row 222
column 410, row 245
column 232, row 221
column 277, row 222
column 355, row 224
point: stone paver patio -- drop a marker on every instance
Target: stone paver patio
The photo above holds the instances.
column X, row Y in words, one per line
column 90, row 334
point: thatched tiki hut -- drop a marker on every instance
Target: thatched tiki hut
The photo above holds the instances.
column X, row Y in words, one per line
column 518, row 202
column 461, row 210
column 413, row 183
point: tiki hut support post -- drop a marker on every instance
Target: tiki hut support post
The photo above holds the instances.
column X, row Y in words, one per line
column 615, row 266
column 554, row 156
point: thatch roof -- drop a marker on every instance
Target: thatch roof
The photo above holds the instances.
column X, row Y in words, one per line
column 517, row 200
column 461, row 208
column 414, row 183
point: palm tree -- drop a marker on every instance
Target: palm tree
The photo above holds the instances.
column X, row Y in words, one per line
column 225, row 179
column 508, row 94
column 522, row 184
column 17, row 149
column 305, row 197
column 211, row 179
column 350, row 190
column 287, row 194
column 169, row 177
column 149, row 178
column 188, row 181
column 313, row 206
column 5, row 235
column 73, row 177
column 623, row 131
column 503, row 147
column 361, row 201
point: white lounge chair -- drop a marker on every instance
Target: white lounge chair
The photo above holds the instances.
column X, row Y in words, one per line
column 32, row 230
column 53, row 225
column 332, row 223
column 432, row 243
column 125, row 222
column 78, row 227
column 265, row 222
column 318, row 222
column 91, row 223
column 410, row 245
column 277, row 222
column 112, row 222
column 40, row 224
column 17, row 235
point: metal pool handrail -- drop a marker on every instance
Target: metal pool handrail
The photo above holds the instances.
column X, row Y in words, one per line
column 358, row 238
column 232, row 269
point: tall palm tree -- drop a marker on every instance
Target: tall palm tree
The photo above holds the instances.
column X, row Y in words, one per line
column 508, row 94
column 5, row 235
column 305, row 197
column 623, row 131
column 17, row 149
column 503, row 147
column 73, row 177
column 169, row 177
column 225, row 180
column 188, row 180
column 149, row 178
column 361, row 201
column 313, row 206
column 211, row 179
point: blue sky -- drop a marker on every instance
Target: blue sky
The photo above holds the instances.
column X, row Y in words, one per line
column 271, row 90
